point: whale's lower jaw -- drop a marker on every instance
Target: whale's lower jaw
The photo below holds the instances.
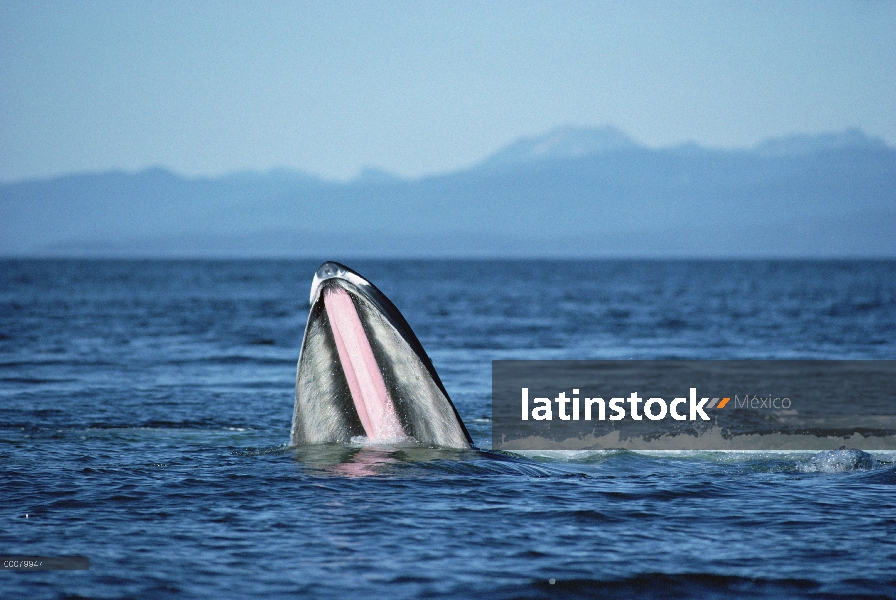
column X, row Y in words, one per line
column 362, row 372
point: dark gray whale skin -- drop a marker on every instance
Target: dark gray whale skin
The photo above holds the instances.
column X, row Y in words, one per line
column 324, row 410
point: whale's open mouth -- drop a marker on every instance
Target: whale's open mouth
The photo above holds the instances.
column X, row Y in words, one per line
column 362, row 371
column 365, row 381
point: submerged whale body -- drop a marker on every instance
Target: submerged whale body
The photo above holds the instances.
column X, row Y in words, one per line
column 362, row 371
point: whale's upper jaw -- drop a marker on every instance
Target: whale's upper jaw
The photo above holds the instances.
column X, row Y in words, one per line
column 334, row 270
column 360, row 359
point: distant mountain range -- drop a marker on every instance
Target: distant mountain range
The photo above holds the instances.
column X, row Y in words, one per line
column 573, row 192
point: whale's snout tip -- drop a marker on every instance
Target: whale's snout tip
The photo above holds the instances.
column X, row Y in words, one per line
column 328, row 270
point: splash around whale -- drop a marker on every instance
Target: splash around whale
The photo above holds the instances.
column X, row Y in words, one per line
column 363, row 373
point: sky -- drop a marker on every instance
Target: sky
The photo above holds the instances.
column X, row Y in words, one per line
column 418, row 88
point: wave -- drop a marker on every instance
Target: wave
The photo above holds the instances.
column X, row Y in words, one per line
column 839, row 461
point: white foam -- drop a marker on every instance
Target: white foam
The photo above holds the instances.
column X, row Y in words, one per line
column 363, row 440
column 838, row 461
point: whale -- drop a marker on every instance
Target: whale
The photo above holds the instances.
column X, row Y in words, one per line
column 362, row 373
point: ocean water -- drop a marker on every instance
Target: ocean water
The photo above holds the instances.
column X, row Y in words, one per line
column 145, row 411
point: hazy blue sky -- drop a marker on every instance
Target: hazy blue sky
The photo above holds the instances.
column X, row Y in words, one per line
column 417, row 88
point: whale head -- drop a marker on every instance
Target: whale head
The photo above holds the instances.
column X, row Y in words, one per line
column 363, row 373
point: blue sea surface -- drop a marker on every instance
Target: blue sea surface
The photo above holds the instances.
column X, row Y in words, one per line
column 145, row 411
